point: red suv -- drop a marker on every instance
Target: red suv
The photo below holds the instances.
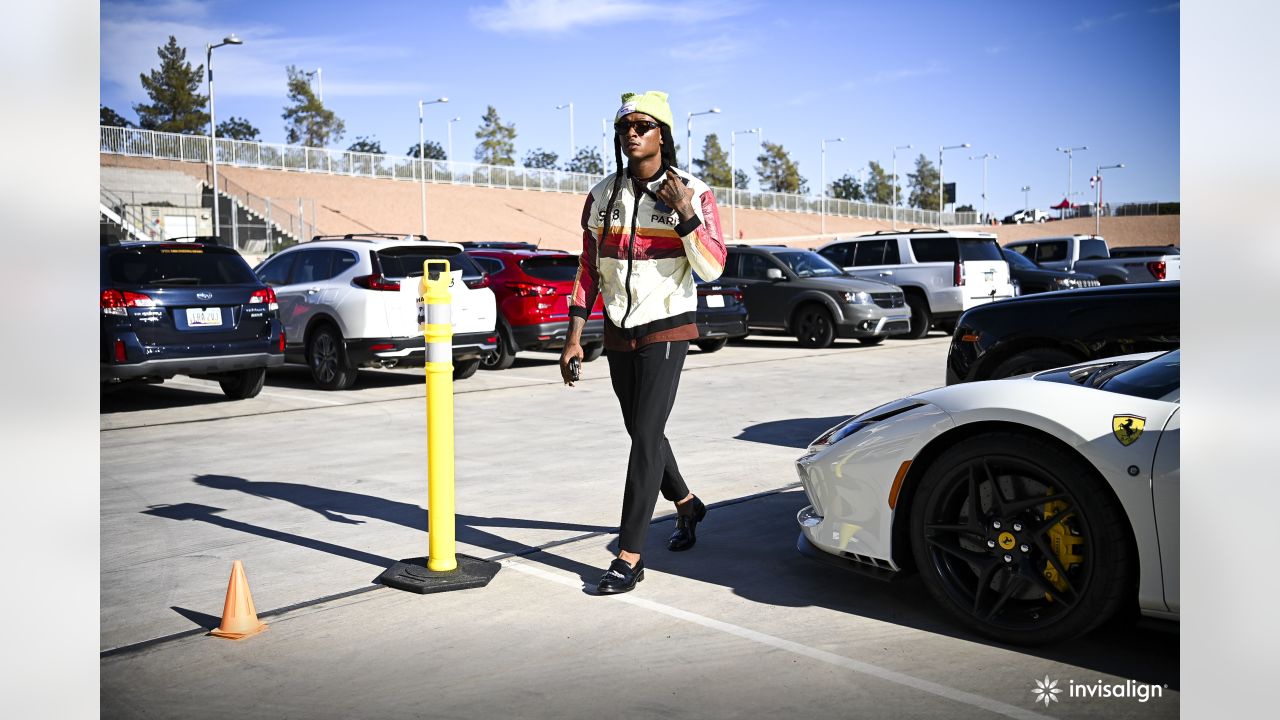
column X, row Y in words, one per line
column 533, row 287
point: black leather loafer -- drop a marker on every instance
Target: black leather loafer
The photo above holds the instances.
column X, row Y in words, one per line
column 620, row 577
column 685, row 536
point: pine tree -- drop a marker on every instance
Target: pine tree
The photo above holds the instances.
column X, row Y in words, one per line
column 111, row 118
column 366, row 145
column 307, row 121
column 744, row 180
column 497, row 141
column 237, row 128
column 713, row 166
column 431, row 150
column 778, row 172
column 540, row 159
column 878, row 187
column 586, row 161
column 846, row 187
column 176, row 104
column 924, row 185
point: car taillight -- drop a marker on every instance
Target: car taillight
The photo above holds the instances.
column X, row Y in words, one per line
column 1157, row 269
column 959, row 274
column 530, row 290
column 265, row 295
column 736, row 294
column 376, row 282
column 281, row 339
column 480, row 282
column 117, row 302
column 119, row 351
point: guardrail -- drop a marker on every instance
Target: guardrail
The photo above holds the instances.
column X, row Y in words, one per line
column 295, row 158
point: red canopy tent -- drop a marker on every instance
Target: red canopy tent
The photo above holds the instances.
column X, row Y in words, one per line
column 1062, row 205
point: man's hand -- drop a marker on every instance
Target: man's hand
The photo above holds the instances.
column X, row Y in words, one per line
column 571, row 350
column 676, row 194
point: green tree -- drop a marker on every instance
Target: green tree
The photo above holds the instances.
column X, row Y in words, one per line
column 366, row 145
column 778, row 172
column 431, row 150
column 923, row 184
column 111, row 118
column 744, row 180
column 176, row 104
column 846, row 187
column 307, row 121
column 713, row 166
column 540, row 159
column 878, row 186
column 237, row 128
column 497, row 141
column 586, row 161
column 965, row 208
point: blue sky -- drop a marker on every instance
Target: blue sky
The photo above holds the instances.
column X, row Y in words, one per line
column 1013, row 79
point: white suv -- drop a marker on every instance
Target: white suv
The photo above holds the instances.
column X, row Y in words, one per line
column 942, row 272
column 351, row 301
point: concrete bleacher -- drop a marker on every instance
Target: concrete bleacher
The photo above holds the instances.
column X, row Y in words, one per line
column 458, row 212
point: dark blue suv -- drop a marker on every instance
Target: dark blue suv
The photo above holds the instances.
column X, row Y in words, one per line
column 186, row 308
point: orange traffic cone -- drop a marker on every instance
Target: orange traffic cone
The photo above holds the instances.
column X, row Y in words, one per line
column 239, row 618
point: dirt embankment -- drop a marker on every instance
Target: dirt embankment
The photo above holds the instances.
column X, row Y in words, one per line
column 457, row 212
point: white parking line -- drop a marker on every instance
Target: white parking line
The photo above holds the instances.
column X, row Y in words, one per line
column 995, row 706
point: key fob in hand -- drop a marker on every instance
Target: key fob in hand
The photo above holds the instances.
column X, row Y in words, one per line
column 575, row 368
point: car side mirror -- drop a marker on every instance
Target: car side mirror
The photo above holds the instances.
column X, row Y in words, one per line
column 773, row 274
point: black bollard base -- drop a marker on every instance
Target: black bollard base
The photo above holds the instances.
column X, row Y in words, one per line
column 414, row 576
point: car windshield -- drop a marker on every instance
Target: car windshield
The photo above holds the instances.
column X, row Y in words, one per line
column 1152, row 379
column 180, row 265
column 1017, row 260
column 806, row 263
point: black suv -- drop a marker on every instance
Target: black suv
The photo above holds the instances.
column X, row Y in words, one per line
column 186, row 308
column 798, row 292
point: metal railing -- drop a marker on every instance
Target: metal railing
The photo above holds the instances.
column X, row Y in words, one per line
column 241, row 153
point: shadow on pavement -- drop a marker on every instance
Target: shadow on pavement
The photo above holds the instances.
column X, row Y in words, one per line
column 135, row 397
column 750, row 547
column 202, row 620
column 796, row 433
column 297, row 377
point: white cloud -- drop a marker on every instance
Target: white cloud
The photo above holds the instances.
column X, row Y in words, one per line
column 1091, row 23
column 1171, row 7
column 711, row 50
column 895, row 75
column 995, row 49
column 553, row 16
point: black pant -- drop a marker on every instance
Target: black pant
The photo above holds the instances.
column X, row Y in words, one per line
column 645, row 381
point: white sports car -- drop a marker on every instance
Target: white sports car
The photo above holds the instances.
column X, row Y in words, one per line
column 1034, row 507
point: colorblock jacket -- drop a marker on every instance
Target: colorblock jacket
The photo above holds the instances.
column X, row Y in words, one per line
column 644, row 269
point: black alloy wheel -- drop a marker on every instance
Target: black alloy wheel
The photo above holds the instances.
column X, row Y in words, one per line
column 327, row 357
column 710, row 346
column 1020, row 540
column 921, row 318
column 1033, row 360
column 501, row 357
column 463, row 369
column 814, row 327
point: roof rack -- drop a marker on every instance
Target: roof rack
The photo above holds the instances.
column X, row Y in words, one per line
column 370, row 237
column 912, row 230
column 498, row 245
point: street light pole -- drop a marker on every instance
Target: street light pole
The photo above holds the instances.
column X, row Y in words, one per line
column 213, row 127
column 1097, row 208
column 984, row 157
column 319, row 82
column 733, row 178
column 941, row 186
column 449, row 153
column 1025, row 189
column 896, row 148
column 422, row 165
column 688, row 137
column 1069, row 150
column 822, row 213
column 571, row 145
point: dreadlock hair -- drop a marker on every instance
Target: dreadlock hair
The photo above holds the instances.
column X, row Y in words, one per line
column 668, row 159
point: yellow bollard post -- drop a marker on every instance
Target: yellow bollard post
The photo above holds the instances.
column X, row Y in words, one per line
column 438, row 332
column 443, row 569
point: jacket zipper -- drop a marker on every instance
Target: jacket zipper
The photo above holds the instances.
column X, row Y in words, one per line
column 631, row 251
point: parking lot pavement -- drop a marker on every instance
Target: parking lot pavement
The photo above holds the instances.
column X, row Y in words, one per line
column 317, row 499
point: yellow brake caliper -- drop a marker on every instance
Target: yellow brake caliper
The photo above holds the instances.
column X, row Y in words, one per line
column 1064, row 545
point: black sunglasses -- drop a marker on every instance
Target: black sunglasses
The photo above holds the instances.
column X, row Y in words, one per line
column 641, row 126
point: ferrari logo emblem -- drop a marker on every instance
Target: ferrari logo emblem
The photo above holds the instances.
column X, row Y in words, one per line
column 1007, row 541
column 1127, row 428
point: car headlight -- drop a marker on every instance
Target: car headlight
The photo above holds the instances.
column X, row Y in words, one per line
column 856, row 298
column 1064, row 283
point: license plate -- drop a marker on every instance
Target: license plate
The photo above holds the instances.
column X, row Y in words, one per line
column 203, row 317
column 715, row 301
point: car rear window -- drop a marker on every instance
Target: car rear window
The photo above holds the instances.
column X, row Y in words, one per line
column 980, row 249
column 1093, row 249
column 406, row 261
column 561, row 268
column 929, row 250
column 185, row 265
